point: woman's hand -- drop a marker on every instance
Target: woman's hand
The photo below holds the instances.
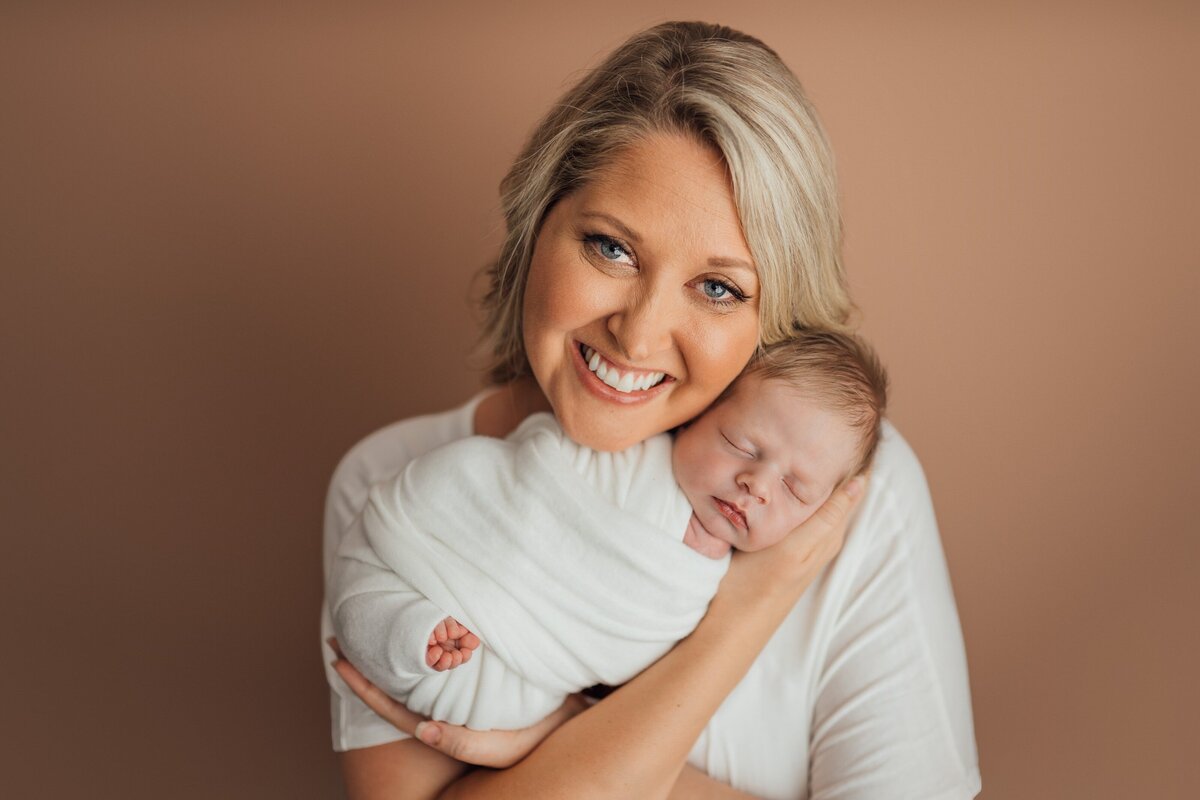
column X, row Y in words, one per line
column 495, row 749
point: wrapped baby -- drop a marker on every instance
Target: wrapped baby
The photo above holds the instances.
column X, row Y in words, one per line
column 493, row 577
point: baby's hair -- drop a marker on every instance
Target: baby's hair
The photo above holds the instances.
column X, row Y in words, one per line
column 838, row 370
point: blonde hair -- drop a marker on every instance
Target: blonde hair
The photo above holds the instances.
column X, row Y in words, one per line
column 727, row 90
column 839, row 371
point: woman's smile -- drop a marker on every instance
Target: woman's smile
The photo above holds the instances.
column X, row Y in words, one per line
column 641, row 305
column 606, row 374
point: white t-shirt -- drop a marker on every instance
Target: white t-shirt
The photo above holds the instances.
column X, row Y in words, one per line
column 861, row 694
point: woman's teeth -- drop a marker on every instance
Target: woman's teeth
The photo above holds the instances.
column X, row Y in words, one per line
column 622, row 382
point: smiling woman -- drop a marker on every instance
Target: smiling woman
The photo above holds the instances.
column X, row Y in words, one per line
column 673, row 213
column 643, row 270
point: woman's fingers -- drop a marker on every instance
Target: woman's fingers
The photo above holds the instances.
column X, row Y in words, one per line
column 495, row 749
column 835, row 512
column 376, row 699
column 832, row 519
column 839, row 505
column 813, row 544
column 828, row 525
column 334, row 646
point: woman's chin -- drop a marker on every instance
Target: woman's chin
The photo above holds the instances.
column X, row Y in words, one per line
column 603, row 437
column 602, row 424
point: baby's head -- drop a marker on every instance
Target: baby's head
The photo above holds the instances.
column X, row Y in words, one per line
column 801, row 419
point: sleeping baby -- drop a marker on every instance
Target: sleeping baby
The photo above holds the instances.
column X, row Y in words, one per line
column 491, row 577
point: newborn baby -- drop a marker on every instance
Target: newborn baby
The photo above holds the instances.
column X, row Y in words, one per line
column 560, row 567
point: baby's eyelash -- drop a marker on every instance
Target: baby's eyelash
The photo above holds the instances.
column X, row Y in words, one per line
column 793, row 491
column 742, row 450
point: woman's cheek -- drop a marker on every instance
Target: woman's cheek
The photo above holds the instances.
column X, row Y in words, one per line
column 724, row 345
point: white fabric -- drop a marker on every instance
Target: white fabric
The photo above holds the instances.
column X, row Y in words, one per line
column 862, row 694
column 568, row 563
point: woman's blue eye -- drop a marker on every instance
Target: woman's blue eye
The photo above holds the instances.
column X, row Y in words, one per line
column 609, row 249
column 719, row 290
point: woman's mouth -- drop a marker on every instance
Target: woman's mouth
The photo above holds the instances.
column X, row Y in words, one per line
column 731, row 513
column 620, row 379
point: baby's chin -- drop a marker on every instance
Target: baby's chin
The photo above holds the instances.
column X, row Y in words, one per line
column 760, row 539
column 700, row 539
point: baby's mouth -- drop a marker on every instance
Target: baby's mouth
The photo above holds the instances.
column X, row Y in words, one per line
column 626, row 381
column 731, row 513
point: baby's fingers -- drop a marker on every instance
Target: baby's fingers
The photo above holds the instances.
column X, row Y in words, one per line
column 432, row 655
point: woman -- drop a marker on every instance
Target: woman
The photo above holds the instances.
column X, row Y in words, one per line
column 676, row 209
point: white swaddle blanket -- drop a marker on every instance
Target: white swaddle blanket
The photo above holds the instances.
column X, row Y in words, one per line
column 568, row 564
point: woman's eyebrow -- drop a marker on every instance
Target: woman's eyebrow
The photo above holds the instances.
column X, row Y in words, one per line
column 625, row 230
column 731, row 263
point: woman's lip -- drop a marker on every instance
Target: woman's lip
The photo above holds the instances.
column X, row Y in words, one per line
column 600, row 389
column 737, row 518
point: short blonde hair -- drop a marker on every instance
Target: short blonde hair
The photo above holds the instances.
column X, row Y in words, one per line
column 727, row 90
column 839, row 371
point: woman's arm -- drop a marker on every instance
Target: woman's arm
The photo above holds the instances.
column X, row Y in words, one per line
column 636, row 741
column 403, row 770
column 432, row 771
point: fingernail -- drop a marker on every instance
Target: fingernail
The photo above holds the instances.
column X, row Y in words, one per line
column 854, row 487
column 428, row 733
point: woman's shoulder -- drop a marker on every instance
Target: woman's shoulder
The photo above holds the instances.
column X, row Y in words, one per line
column 897, row 467
column 898, row 505
column 408, row 438
column 386, row 451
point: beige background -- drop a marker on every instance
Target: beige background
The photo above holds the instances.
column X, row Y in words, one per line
column 236, row 238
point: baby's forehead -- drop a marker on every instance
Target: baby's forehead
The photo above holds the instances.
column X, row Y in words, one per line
column 752, row 391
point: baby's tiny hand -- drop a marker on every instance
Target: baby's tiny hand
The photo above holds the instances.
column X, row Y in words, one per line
column 450, row 645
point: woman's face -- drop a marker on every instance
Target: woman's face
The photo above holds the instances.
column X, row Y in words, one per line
column 642, row 298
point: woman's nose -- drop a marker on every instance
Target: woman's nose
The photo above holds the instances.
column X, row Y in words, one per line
column 642, row 327
column 754, row 485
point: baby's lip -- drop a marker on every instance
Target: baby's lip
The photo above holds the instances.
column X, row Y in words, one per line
column 735, row 515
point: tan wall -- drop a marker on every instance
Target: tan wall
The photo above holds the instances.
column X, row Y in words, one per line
column 234, row 241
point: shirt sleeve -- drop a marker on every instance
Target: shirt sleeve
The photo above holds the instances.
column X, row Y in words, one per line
column 892, row 717
column 379, row 456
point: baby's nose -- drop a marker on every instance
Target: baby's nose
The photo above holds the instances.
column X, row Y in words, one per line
column 754, row 486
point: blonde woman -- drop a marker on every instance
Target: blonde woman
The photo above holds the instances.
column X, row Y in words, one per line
column 674, row 211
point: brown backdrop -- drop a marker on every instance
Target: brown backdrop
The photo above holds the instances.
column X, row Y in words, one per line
column 238, row 237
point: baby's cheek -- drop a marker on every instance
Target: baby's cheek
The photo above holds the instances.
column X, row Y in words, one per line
column 802, row 516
